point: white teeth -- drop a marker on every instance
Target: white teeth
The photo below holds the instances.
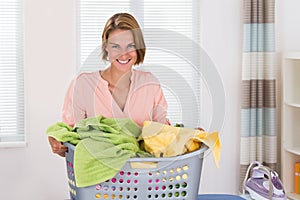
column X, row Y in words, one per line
column 123, row 61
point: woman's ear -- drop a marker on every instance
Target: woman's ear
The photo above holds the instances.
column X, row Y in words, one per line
column 106, row 52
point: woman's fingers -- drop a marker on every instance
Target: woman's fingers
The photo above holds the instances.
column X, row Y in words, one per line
column 57, row 147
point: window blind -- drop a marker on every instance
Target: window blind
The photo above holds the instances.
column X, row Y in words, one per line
column 11, row 72
column 91, row 18
column 171, row 30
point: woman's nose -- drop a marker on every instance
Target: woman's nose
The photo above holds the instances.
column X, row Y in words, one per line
column 124, row 54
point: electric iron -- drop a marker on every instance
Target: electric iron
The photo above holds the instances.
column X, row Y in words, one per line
column 263, row 184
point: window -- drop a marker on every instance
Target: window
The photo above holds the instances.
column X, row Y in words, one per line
column 11, row 73
column 172, row 32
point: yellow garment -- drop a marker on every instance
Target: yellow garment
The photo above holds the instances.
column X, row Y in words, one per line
column 162, row 140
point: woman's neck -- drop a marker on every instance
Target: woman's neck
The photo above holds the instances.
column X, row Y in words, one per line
column 117, row 79
column 118, row 85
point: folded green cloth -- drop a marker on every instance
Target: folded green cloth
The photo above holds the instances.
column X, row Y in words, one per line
column 103, row 145
column 63, row 132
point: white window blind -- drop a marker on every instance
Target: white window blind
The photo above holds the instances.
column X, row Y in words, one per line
column 171, row 30
column 11, row 72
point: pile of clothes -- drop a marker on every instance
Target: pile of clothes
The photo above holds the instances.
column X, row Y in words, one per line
column 103, row 145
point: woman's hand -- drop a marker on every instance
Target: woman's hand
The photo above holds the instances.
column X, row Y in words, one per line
column 57, row 147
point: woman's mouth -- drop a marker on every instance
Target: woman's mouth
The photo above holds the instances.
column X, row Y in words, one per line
column 123, row 61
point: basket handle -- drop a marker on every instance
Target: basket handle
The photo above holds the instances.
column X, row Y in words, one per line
column 143, row 165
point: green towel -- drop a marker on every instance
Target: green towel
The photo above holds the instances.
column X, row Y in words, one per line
column 63, row 132
column 104, row 147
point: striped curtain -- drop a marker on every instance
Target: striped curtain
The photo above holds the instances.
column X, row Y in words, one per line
column 258, row 98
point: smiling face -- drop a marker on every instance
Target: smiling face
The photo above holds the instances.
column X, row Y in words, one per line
column 121, row 50
column 118, row 23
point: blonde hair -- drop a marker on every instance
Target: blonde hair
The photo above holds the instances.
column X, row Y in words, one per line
column 124, row 21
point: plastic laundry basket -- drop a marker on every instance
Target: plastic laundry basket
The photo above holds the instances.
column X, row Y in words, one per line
column 164, row 178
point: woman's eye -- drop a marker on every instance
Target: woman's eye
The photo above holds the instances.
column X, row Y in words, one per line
column 131, row 46
column 115, row 46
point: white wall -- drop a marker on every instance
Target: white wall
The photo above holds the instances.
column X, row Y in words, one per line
column 34, row 172
column 221, row 38
column 288, row 29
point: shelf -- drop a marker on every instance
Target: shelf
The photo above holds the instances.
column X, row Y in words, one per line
column 291, row 81
column 293, row 150
column 292, row 55
column 296, row 105
column 290, row 133
column 293, row 196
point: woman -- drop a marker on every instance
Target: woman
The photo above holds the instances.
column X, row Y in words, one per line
column 119, row 91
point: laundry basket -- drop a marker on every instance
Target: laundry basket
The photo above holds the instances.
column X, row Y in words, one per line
column 145, row 178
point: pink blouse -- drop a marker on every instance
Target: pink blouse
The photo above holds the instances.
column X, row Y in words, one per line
column 88, row 96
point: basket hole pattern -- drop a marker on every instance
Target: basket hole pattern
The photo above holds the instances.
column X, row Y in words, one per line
column 117, row 187
column 72, row 191
column 168, row 195
column 168, row 183
column 113, row 196
column 71, row 178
